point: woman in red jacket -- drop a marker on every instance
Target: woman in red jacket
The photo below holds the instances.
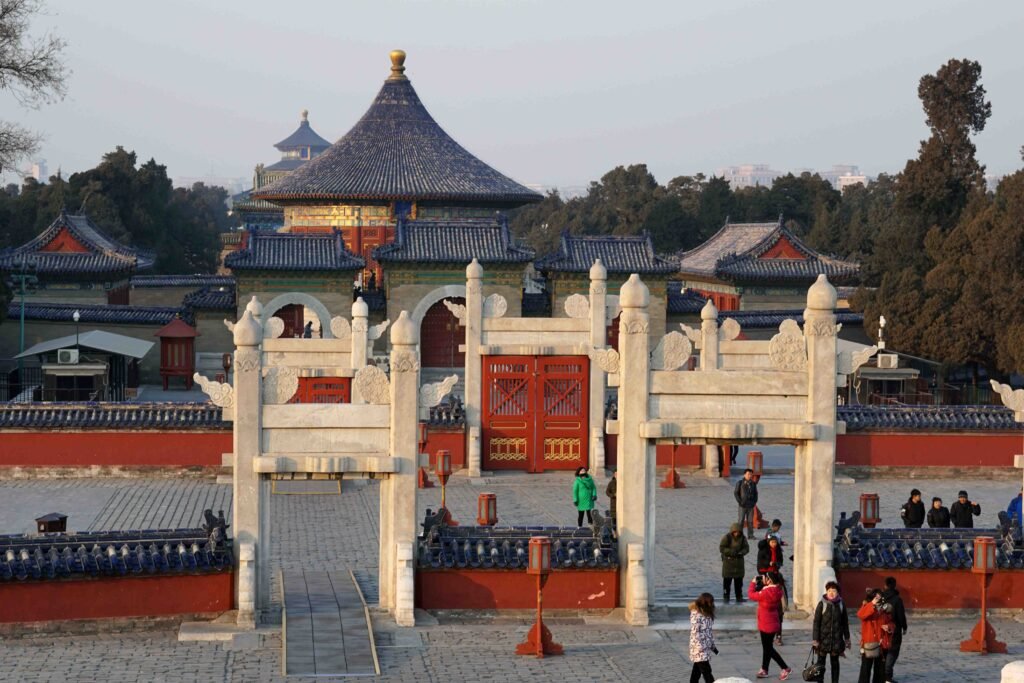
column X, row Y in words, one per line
column 767, row 592
column 875, row 633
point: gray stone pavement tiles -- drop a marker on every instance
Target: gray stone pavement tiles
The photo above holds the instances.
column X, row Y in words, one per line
column 340, row 531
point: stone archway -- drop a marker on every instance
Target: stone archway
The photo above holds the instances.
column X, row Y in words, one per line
column 432, row 297
column 282, row 300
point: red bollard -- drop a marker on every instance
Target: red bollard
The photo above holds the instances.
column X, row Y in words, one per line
column 983, row 636
column 869, row 510
column 672, row 480
column 538, row 640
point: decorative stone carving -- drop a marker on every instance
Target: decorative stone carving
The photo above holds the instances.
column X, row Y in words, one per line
column 612, row 306
column 360, row 326
column 606, row 359
column 431, row 394
column 220, row 393
column 787, row 350
column 577, row 306
column 635, row 327
column 691, row 334
column 373, row 385
column 598, row 288
column 821, row 328
column 279, row 385
column 458, row 310
column 246, row 360
column 1014, row 400
column 404, row 361
column 495, row 306
column 847, row 362
column 230, row 325
column 273, row 328
column 377, row 330
column 340, row 328
column 672, row 352
column 729, row 330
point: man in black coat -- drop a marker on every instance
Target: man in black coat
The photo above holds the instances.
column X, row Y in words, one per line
column 962, row 512
column 938, row 516
column 899, row 615
column 912, row 511
column 746, row 498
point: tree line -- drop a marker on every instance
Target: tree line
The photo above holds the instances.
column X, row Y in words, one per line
column 941, row 257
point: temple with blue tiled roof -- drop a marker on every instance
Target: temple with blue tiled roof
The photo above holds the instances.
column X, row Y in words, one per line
column 296, row 149
column 758, row 265
column 74, row 260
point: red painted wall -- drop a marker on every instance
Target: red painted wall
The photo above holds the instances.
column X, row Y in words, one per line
column 935, row 449
column 105, row 598
column 451, row 439
column 686, row 456
column 935, row 588
column 515, row 589
column 153, row 448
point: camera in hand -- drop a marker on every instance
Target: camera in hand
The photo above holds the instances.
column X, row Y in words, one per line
column 759, row 582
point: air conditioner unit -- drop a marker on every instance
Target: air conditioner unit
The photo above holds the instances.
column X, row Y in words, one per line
column 888, row 361
column 67, row 356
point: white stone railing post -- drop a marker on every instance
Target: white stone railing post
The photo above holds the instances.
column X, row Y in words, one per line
column 246, row 602
column 360, row 328
column 635, row 502
column 598, row 340
column 398, row 492
column 405, row 591
column 709, row 360
column 815, row 460
column 249, row 523
column 474, row 335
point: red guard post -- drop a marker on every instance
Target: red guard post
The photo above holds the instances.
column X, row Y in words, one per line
column 869, row 510
column 755, row 461
column 983, row 636
column 443, row 470
column 538, row 641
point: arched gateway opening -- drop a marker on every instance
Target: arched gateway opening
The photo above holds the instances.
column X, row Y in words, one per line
column 441, row 335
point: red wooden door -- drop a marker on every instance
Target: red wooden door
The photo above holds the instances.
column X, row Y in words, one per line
column 441, row 336
column 535, row 412
column 292, row 315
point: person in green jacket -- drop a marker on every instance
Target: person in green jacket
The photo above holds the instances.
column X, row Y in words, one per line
column 733, row 547
column 584, row 493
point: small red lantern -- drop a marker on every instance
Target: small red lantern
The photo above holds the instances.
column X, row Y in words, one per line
column 983, row 636
column 443, row 470
column 538, row 641
column 755, row 461
column 869, row 510
column 487, row 509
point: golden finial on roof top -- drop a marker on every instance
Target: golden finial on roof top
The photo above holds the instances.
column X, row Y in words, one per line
column 397, row 65
column 305, row 115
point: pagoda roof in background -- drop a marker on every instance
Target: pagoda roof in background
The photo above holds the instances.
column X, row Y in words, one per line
column 620, row 254
column 743, row 252
column 73, row 244
column 396, row 151
column 291, row 251
column 453, row 241
column 304, row 136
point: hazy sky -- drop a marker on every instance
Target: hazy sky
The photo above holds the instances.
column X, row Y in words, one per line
column 548, row 91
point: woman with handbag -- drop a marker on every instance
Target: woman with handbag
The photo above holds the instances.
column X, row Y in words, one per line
column 584, row 493
column 873, row 623
column 831, row 634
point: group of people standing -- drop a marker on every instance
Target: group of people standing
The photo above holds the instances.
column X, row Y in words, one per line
column 960, row 514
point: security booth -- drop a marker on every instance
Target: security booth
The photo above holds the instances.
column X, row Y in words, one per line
column 177, row 351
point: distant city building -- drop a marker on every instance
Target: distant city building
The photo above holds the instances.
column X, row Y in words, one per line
column 39, row 171
column 749, row 175
column 842, row 176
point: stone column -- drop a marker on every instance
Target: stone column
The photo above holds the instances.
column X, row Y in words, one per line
column 248, row 513
column 474, row 332
column 709, row 361
column 635, row 502
column 360, row 327
column 404, row 446
column 815, row 460
column 598, row 340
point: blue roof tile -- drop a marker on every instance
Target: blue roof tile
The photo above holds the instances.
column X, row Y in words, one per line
column 620, row 254
column 953, row 549
column 210, row 299
column 304, row 136
column 289, row 251
column 928, row 418
column 398, row 152
column 98, row 313
column 107, row 416
column 453, row 241
column 193, row 280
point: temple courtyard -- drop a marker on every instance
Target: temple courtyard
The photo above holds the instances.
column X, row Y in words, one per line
column 340, row 532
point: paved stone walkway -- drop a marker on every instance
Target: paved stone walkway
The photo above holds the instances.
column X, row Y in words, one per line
column 319, row 532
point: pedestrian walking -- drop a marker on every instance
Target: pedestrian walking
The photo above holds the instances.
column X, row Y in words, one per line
column 891, row 596
column 702, row 637
column 767, row 591
column 912, row 511
column 963, row 512
column 875, row 626
column 307, row 331
column 1015, row 510
column 584, row 493
column 610, row 490
column 734, row 548
column 831, row 631
column 938, row 516
column 746, row 497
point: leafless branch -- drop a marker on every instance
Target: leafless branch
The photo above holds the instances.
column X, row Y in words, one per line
column 31, row 67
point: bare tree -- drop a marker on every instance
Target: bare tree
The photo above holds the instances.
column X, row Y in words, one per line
column 31, row 69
